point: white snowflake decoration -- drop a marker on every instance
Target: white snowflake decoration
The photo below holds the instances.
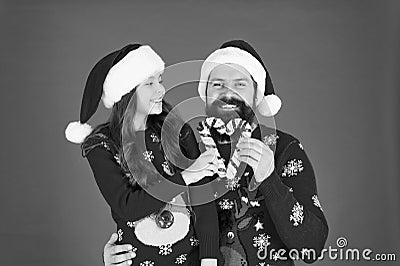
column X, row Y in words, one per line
column 194, row 242
column 297, row 215
column 316, row 202
column 130, row 224
column 225, row 204
column 117, row 159
column 147, row 263
column 165, row 250
column 261, row 241
column 292, row 168
column 270, row 139
column 290, row 189
column 120, row 233
column 301, row 146
column 181, row 259
column 233, row 183
column 215, row 194
column 166, row 167
column 154, row 137
column 148, row 156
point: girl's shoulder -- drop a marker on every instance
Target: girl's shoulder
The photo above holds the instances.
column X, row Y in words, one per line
column 100, row 137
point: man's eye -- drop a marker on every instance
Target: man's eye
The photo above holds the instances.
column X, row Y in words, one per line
column 149, row 83
column 241, row 84
column 217, row 84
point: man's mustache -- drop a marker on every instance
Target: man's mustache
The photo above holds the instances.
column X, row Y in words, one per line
column 229, row 100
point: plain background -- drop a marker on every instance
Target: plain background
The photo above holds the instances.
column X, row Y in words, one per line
column 335, row 65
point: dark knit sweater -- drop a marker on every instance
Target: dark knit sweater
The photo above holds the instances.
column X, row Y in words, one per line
column 130, row 203
column 283, row 213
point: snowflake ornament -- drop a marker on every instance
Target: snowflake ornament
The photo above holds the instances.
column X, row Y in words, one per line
column 167, row 168
column 225, row 204
column 117, row 159
column 301, row 146
column 147, row 263
column 165, row 250
column 120, row 233
column 181, row 259
column 148, row 156
column 130, row 224
column 316, row 202
column 290, row 189
column 297, row 215
column 194, row 242
column 292, row 168
column 270, row 139
column 261, row 241
column 233, row 183
column 154, row 137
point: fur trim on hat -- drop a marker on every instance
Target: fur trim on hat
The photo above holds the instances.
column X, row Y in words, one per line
column 130, row 71
column 232, row 55
column 269, row 105
column 77, row 132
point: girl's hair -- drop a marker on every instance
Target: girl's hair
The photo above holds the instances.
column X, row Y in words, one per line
column 130, row 148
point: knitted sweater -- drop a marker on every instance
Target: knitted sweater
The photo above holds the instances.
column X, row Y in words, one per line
column 130, row 203
column 282, row 213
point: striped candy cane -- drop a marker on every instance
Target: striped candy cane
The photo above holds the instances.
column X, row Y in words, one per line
column 233, row 166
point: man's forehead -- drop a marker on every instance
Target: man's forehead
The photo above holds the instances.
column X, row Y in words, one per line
column 229, row 71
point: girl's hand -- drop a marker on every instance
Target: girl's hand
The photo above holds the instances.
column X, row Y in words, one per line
column 205, row 165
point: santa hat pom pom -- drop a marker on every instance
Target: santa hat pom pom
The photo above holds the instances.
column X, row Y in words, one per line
column 270, row 105
column 77, row 132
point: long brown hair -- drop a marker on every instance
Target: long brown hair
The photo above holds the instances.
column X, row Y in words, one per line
column 130, row 149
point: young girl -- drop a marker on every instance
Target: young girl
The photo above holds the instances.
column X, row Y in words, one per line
column 147, row 193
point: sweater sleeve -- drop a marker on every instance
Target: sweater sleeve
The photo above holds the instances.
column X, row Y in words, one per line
column 126, row 201
column 291, row 198
column 206, row 217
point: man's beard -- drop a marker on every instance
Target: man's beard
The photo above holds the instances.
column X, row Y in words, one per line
column 244, row 111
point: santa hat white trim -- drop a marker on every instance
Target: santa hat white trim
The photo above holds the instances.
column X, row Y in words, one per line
column 76, row 132
column 233, row 55
column 268, row 105
column 130, row 71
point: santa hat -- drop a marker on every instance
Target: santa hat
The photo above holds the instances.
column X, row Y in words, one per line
column 111, row 78
column 241, row 53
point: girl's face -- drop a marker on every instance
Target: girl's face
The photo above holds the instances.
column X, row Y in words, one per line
column 149, row 95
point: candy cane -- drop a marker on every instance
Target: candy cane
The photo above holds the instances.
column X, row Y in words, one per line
column 234, row 163
column 209, row 143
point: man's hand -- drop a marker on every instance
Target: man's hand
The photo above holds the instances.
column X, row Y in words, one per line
column 120, row 255
column 258, row 155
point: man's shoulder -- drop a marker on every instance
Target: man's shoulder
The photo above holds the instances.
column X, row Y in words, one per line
column 275, row 136
column 99, row 137
column 277, row 139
